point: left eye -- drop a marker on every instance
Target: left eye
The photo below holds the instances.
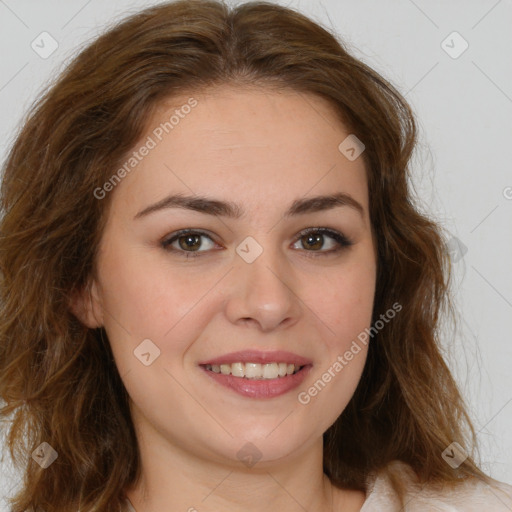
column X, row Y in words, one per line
column 189, row 241
column 314, row 237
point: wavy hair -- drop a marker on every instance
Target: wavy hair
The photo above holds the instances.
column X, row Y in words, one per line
column 58, row 379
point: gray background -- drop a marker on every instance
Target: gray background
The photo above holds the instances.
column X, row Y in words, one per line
column 462, row 170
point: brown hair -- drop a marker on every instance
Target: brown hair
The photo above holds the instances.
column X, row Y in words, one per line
column 58, row 378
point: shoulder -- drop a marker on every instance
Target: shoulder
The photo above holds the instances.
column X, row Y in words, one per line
column 472, row 495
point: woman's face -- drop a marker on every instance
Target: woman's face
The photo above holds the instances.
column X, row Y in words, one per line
column 245, row 288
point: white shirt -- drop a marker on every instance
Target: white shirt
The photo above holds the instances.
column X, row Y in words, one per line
column 473, row 495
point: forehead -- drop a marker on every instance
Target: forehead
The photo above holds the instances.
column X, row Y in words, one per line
column 247, row 143
column 230, row 116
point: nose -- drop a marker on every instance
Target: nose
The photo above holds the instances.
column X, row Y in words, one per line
column 263, row 293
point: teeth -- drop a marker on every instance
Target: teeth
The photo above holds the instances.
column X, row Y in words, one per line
column 255, row 370
column 270, row 371
column 237, row 369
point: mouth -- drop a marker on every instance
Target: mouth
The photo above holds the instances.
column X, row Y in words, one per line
column 258, row 374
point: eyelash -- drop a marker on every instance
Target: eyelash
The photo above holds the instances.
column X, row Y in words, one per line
column 342, row 241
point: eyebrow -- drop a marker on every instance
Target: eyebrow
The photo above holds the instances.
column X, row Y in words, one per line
column 232, row 210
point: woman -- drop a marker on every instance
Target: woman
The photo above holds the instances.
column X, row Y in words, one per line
column 217, row 293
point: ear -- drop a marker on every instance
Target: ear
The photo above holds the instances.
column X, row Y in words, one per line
column 86, row 305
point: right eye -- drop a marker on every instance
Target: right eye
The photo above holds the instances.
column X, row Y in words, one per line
column 189, row 242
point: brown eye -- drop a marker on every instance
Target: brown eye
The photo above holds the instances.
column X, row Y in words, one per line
column 188, row 242
column 313, row 240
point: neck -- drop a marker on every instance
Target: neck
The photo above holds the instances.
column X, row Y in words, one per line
column 172, row 479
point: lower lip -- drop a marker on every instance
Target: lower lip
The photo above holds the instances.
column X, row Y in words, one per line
column 264, row 388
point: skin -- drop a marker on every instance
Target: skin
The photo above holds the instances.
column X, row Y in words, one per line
column 261, row 149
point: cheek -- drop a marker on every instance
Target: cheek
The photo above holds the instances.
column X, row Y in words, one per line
column 345, row 303
column 146, row 299
column 146, row 296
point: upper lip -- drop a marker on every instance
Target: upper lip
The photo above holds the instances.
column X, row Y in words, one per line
column 258, row 356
